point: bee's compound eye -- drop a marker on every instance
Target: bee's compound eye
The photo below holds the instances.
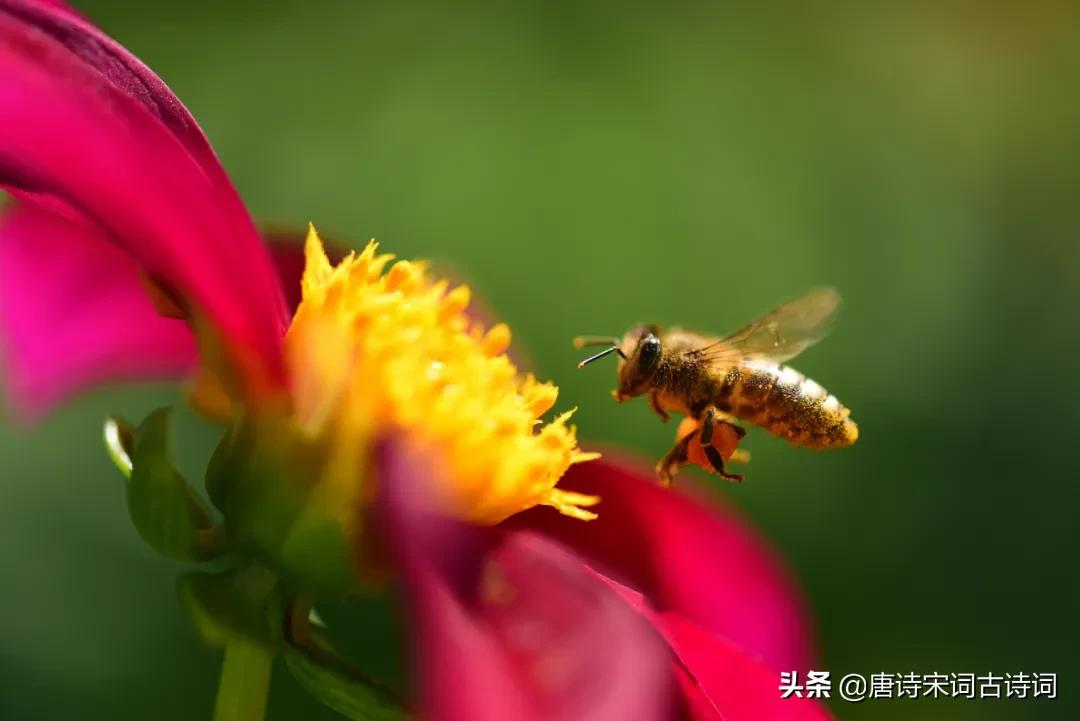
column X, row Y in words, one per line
column 650, row 351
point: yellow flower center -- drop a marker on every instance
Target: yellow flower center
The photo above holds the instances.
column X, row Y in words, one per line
column 380, row 349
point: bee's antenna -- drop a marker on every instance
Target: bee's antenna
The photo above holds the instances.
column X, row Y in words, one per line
column 601, row 354
column 585, row 340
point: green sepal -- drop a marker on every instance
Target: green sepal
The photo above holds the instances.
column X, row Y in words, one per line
column 230, row 605
column 230, row 460
column 267, row 483
column 334, row 681
column 166, row 512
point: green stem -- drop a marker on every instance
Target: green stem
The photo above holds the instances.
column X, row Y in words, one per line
column 245, row 682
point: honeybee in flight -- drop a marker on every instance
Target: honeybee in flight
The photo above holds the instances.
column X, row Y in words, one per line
column 716, row 380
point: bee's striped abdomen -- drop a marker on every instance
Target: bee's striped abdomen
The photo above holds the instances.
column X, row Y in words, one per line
column 787, row 404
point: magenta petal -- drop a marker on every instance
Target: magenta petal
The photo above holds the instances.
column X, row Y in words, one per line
column 719, row 675
column 73, row 312
column 701, row 562
column 720, row 681
column 511, row 626
column 120, row 69
column 90, row 133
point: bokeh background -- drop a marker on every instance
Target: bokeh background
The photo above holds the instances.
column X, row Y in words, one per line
column 589, row 166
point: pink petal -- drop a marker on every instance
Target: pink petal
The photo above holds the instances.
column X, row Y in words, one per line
column 58, row 6
column 73, row 312
column 508, row 625
column 721, row 682
column 92, row 134
column 700, row 561
column 124, row 72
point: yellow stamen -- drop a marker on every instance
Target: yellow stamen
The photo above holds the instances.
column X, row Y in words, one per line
column 395, row 352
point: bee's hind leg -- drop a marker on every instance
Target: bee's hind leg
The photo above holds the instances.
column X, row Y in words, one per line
column 708, row 421
column 676, row 457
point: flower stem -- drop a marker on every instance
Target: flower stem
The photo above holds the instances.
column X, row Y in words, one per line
column 245, row 682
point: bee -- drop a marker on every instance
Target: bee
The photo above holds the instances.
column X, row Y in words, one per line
column 714, row 381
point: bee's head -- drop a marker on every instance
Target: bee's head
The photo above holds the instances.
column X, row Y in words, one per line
column 639, row 358
column 638, row 362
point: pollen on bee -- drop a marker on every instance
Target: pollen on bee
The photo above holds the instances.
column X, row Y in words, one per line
column 725, row 439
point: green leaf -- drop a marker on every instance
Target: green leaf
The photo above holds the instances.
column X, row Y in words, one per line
column 315, row 664
column 229, row 606
column 166, row 512
column 340, row 685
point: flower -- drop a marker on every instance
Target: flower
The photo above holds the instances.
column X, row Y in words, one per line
column 376, row 420
column 370, row 349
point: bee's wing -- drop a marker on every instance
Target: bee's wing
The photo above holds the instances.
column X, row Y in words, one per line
column 780, row 334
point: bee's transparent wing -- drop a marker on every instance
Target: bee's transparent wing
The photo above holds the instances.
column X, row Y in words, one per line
column 780, row 334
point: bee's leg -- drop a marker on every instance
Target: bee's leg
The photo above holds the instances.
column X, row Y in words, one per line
column 709, row 419
column 654, row 403
column 725, row 416
column 669, row 464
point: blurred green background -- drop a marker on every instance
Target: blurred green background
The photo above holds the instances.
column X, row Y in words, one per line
column 587, row 168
